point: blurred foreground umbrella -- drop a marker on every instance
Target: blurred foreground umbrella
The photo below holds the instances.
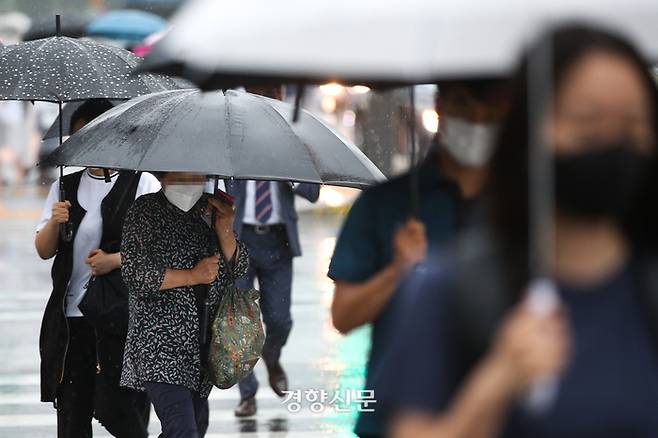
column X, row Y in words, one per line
column 73, row 25
column 62, row 69
column 370, row 42
column 127, row 25
column 367, row 42
column 229, row 135
column 160, row 7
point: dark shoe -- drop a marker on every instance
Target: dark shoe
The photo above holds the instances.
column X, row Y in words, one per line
column 246, row 408
column 278, row 379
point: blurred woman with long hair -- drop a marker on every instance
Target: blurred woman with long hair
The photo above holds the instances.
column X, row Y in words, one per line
column 468, row 330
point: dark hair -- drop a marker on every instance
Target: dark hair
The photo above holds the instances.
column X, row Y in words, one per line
column 483, row 89
column 508, row 188
column 89, row 110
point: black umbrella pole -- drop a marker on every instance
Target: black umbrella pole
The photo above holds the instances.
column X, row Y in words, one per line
column 299, row 97
column 66, row 229
column 205, row 321
column 542, row 297
column 413, row 175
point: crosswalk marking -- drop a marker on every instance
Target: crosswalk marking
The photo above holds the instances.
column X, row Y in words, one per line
column 216, row 415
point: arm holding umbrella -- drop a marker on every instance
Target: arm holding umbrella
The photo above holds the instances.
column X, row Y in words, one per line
column 524, row 348
column 147, row 275
column 47, row 239
column 360, row 298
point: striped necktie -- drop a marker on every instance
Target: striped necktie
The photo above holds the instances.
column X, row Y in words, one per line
column 263, row 201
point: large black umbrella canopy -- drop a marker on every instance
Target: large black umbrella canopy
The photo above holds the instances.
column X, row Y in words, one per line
column 228, row 134
column 72, row 25
column 71, row 107
column 62, row 69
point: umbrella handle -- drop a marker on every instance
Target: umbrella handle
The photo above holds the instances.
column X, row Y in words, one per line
column 65, row 229
column 542, row 299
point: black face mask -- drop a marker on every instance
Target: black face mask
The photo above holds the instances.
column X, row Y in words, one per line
column 603, row 182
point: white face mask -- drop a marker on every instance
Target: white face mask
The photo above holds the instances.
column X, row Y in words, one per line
column 184, row 196
column 470, row 144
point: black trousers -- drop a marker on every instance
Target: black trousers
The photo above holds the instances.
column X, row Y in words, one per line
column 271, row 261
column 182, row 413
column 75, row 395
column 82, row 389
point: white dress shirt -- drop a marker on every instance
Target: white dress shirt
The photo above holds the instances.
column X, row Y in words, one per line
column 250, row 205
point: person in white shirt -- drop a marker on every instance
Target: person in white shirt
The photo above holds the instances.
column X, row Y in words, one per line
column 77, row 357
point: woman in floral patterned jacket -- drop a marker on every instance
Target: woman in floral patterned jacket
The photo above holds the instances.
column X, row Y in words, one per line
column 171, row 262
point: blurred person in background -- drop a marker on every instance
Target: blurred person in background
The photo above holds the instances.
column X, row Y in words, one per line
column 173, row 262
column 18, row 141
column 470, row 348
column 76, row 359
column 266, row 221
column 379, row 243
column 46, row 113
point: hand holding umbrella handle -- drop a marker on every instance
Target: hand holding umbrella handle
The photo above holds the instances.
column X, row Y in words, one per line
column 542, row 299
column 66, row 229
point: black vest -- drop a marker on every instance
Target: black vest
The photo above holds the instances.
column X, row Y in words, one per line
column 54, row 329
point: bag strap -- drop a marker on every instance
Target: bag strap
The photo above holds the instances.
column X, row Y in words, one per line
column 231, row 263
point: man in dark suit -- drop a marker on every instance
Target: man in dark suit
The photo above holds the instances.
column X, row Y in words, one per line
column 266, row 221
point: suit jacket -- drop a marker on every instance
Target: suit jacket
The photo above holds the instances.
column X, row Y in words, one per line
column 238, row 189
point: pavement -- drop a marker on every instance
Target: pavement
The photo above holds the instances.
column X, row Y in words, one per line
column 325, row 369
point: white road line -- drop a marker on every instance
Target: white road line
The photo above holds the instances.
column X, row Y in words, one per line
column 32, row 398
column 21, row 316
column 216, row 415
column 22, row 379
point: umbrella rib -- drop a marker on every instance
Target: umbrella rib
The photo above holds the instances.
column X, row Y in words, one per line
column 229, row 133
column 38, row 46
column 309, row 151
column 358, row 153
column 166, row 117
column 85, row 49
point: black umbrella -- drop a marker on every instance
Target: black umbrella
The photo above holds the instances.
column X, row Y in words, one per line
column 72, row 25
column 62, row 69
column 71, row 107
column 228, row 134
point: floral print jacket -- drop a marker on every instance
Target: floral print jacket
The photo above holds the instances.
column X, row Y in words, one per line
column 163, row 327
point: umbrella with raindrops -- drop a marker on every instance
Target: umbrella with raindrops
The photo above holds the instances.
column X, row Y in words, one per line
column 62, row 69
